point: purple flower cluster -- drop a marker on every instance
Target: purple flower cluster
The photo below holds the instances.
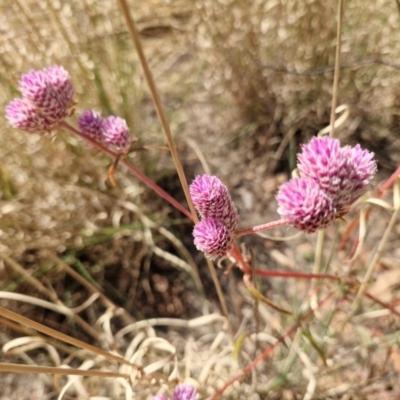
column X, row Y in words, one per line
column 181, row 392
column 47, row 100
column 214, row 234
column 331, row 179
column 112, row 131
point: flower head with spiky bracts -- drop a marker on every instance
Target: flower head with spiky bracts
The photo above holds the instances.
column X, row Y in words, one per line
column 305, row 205
column 331, row 179
column 181, row 392
column 116, row 134
column 213, row 238
column 185, row 392
column 90, row 124
column 50, row 90
column 22, row 114
column 47, row 100
column 344, row 173
column 212, row 200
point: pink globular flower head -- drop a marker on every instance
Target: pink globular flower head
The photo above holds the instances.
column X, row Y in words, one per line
column 60, row 80
column 51, row 91
column 362, row 168
column 344, row 173
column 304, row 205
column 212, row 237
column 185, row 392
column 116, row 134
column 212, row 200
column 321, row 161
column 90, row 124
column 22, row 114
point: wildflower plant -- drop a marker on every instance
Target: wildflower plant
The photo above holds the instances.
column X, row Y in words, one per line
column 116, row 134
column 47, row 100
column 214, row 234
column 343, row 173
column 331, row 178
column 212, row 200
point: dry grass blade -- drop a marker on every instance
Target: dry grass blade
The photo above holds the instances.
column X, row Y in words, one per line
column 378, row 253
column 60, row 336
column 37, row 302
column 32, row 280
column 91, row 287
column 35, row 369
column 23, row 344
column 337, row 66
column 58, row 306
column 194, row 323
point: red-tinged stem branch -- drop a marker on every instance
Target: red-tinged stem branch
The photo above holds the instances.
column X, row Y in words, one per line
column 246, row 269
column 152, row 185
column 300, row 275
column 241, row 262
column 388, row 306
column 389, row 182
column 268, row 350
column 260, row 228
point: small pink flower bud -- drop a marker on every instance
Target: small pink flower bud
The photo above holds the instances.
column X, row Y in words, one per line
column 212, row 237
column 90, row 124
column 116, row 134
column 185, row 392
column 212, row 200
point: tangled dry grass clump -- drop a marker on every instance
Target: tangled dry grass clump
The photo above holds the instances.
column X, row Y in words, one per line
column 103, row 294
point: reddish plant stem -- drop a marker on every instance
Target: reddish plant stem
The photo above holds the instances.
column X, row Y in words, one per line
column 260, row 228
column 241, row 262
column 389, row 182
column 268, row 350
column 388, row 306
column 301, row 275
column 152, row 185
column 246, row 269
